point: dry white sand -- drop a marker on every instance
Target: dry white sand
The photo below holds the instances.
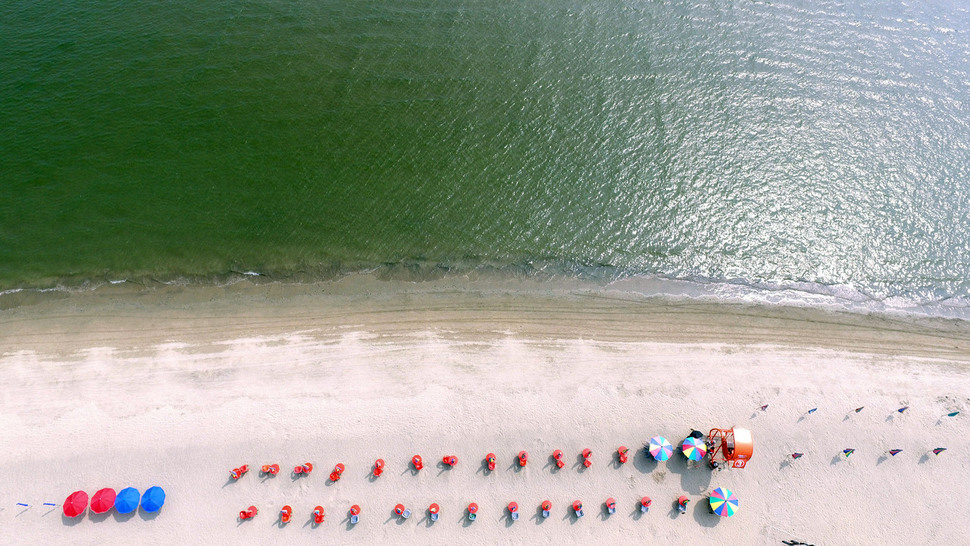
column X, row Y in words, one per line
column 176, row 386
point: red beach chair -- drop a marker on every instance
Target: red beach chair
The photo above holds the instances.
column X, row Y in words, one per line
column 248, row 513
column 523, row 458
column 623, row 454
column 586, row 455
column 271, row 469
column 450, row 460
column 318, row 514
column 417, row 462
column 304, row 468
column 557, row 455
column 286, row 513
column 237, row 473
column 378, row 467
column 337, row 471
column 490, row 461
column 682, row 504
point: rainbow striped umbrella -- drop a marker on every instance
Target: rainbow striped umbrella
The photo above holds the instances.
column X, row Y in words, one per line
column 660, row 448
column 723, row 502
column 694, row 448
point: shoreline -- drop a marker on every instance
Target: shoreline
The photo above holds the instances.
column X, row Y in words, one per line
column 176, row 387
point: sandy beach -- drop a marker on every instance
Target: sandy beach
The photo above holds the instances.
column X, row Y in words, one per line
column 174, row 386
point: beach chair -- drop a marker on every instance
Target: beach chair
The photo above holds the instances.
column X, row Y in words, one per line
column 490, row 461
column 286, row 514
column 546, row 508
column 611, row 505
column 354, row 514
column 682, row 504
column 337, row 471
column 578, row 509
column 248, row 513
column 557, row 455
column 587, row 453
column 514, row 511
column 645, row 504
column 271, row 469
column 433, row 511
column 378, row 467
column 622, row 452
column 472, row 511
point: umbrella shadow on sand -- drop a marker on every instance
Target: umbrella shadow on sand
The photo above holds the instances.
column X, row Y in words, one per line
column 70, row 522
column 694, row 480
column 643, row 461
column 703, row 514
column 123, row 517
column 148, row 516
column 98, row 518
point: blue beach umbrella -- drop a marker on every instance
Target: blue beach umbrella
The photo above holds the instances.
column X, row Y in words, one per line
column 127, row 500
column 153, row 499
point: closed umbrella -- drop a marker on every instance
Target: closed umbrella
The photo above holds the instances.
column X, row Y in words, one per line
column 153, row 499
column 127, row 500
column 103, row 500
column 75, row 504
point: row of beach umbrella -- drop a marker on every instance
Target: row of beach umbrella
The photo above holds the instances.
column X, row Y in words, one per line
column 695, row 449
column 124, row 501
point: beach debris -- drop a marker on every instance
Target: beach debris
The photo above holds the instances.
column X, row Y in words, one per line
column 693, row 448
column 860, row 408
column 318, row 514
column 127, row 500
column 270, row 469
column 237, row 473
column 895, row 452
column 514, row 510
column 660, row 448
column 338, row 470
column 401, row 511
column 523, row 458
column 546, row 508
column 378, row 467
column 734, row 445
column 450, row 460
column 433, row 510
column 354, row 514
column 953, row 414
column 939, row 450
column 417, row 462
column 797, row 455
column 557, row 455
column 622, row 454
column 723, row 502
column 587, row 453
column 248, row 513
column 813, row 410
column 472, row 511
column 103, row 500
column 645, row 503
column 578, row 508
column 304, row 468
column 682, row 504
column 611, row 505
column 848, row 451
column 764, row 407
column 286, row 513
column 153, row 499
column 902, row 409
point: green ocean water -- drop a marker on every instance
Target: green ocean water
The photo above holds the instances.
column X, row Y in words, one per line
column 810, row 146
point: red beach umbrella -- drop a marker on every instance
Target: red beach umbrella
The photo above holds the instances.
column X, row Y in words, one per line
column 75, row 504
column 103, row 500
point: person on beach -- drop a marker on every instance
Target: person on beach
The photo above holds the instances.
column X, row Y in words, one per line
column 857, row 410
column 813, row 410
column 764, row 407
